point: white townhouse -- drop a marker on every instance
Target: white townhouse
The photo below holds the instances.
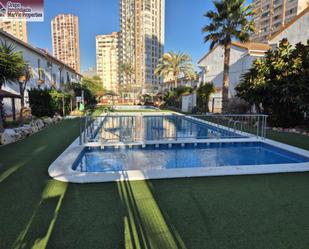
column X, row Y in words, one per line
column 47, row 70
column 242, row 57
column 182, row 81
column 297, row 30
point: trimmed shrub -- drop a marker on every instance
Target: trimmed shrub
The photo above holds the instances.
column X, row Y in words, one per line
column 40, row 102
column 47, row 102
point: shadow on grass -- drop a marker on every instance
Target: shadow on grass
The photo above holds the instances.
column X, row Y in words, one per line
column 25, row 211
column 145, row 226
column 40, row 226
column 268, row 211
column 12, row 169
column 112, row 215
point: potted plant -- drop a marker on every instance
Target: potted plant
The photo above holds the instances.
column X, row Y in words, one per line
column 22, row 78
column 40, row 82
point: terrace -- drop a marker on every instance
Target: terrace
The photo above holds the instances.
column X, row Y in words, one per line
column 257, row 211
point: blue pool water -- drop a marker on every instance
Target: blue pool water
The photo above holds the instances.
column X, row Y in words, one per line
column 149, row 128
column 190, row 156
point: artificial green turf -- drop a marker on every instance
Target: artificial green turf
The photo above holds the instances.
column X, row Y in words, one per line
column 289, row 138
column 266, row 211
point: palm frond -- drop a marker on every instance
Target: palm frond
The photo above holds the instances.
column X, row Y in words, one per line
column 230, row 20
column 173, row 64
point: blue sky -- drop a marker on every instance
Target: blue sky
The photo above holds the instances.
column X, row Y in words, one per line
column 183, row 23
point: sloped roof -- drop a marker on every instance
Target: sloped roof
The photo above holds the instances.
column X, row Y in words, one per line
column 287, row 25
column 39, row 51
column 249, row 46
column 6, row 94
column 252, row 46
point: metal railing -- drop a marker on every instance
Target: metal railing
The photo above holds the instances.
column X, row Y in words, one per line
column 247, row 124
column 135, row 128
column 89, row 128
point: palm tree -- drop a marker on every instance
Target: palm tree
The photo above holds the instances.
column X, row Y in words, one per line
column 231, row 20
column 173, row 65
column 128, row 71
column 11, row 68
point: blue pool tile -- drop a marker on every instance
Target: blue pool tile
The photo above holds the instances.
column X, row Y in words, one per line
column 190, row 156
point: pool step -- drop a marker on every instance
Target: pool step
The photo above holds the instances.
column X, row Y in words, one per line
column 164, row 144
column 169, row 146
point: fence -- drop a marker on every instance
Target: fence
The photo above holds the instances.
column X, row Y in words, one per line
column 134, row 128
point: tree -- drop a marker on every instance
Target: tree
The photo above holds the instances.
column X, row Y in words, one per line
column 173, row 98
column 203, row 93
column 251, row 87
column 279, row 83
column 23, row 80
column 173, row 65
column 230, row 20
column 94, row 84
column 11, row 68
column 128, row 71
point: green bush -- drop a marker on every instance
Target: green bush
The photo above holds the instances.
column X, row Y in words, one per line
column 173, row 98
column 58, row 98
column 47, row 102
column 88, row 95
column 278, row 84
column 203, row 93
column 40, row 102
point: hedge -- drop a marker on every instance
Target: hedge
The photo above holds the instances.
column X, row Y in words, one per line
column 48, row 102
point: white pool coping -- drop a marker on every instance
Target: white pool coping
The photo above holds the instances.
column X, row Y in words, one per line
column 61, row 168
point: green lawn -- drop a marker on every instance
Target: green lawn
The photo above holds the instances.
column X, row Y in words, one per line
column 261, row 211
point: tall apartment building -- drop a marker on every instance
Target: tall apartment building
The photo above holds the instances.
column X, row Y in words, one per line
column 65, row 39
column 271, row 15
column 107, row 60
column 17, row 28
column 142, row 40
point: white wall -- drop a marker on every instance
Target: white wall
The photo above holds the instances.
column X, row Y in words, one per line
column 212, row 71
column 32, row 57
column 297, row 32
column 188, row 102
column 212, row 67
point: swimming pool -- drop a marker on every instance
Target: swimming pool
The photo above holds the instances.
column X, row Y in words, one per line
column 173, row 156
column 160, row 127
column 147, row 146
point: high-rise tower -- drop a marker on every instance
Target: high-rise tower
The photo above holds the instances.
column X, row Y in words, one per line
column 65, row 39
column 107, row 47
column 271, row 15
column 141, row 41
column 17, row 28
